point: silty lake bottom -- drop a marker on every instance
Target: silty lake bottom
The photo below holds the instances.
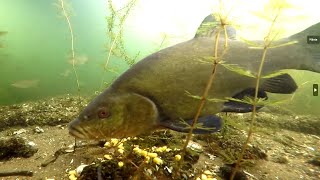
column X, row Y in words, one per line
column 34, row 138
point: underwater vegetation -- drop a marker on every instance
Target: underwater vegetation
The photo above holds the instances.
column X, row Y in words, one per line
column 66, row 14
column 116, row 47
column 197, row 88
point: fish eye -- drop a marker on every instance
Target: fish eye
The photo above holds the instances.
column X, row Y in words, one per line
column 102, row 113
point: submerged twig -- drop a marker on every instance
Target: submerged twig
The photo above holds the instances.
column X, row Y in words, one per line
column 62, row 151
column 55, row 156
column 16, row 173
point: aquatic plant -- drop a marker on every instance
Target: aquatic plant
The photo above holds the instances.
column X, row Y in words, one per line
column 275, row 8
column 66, row 14
column 116, row 47
column 216, row 60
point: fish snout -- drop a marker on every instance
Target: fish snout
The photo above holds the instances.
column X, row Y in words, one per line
column 76, row 130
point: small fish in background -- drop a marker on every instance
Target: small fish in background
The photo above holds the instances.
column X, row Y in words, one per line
column 115, row 70
column 24, row 84
column 66, row 73
column 79, row 60
column 1, row 34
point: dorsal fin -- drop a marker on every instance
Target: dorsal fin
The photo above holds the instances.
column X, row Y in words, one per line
column 209, row 25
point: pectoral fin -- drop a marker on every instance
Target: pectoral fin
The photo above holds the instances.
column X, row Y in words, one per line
column 205, row 125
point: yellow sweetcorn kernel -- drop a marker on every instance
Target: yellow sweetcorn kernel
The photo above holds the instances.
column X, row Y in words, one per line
column 136, row 149
column 207, row 172
column 72, row 177
column 204, row 177
column 161, row 149
column 120, row 164
column 211, row 178
column 114, row 141
column 107, row 144
column 177, row 157
column 157, row 161
column 120, row 146
column 147, row 159
column 152, row 155
column 74, row 172
column 144, row 153
column 108, row 156
column 120, row 151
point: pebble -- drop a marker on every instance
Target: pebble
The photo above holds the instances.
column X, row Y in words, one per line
column 20, row 131
column 80, row 168
column 38, row 130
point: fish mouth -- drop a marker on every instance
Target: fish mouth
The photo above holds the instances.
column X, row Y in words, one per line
column 77, row 131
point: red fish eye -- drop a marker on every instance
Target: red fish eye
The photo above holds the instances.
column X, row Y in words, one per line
column 103, row 114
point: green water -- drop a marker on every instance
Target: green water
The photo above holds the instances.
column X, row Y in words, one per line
column 37, row 47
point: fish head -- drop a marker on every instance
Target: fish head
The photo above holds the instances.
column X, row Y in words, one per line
column 115, row 115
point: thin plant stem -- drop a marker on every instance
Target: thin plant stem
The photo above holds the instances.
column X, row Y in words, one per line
column 207, row 88
column 65, row 14
column 118, row 37
column 108, row 58
column 267, row 43
column 253, row 117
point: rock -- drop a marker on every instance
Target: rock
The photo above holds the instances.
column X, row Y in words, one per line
column 16, row 147
column 281, row 159
column 315, row 161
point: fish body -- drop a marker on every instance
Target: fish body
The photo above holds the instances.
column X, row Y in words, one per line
column 79, row 60
column 24, row 84
column 152, row 93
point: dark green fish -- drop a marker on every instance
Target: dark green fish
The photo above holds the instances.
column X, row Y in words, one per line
column 152, row 93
